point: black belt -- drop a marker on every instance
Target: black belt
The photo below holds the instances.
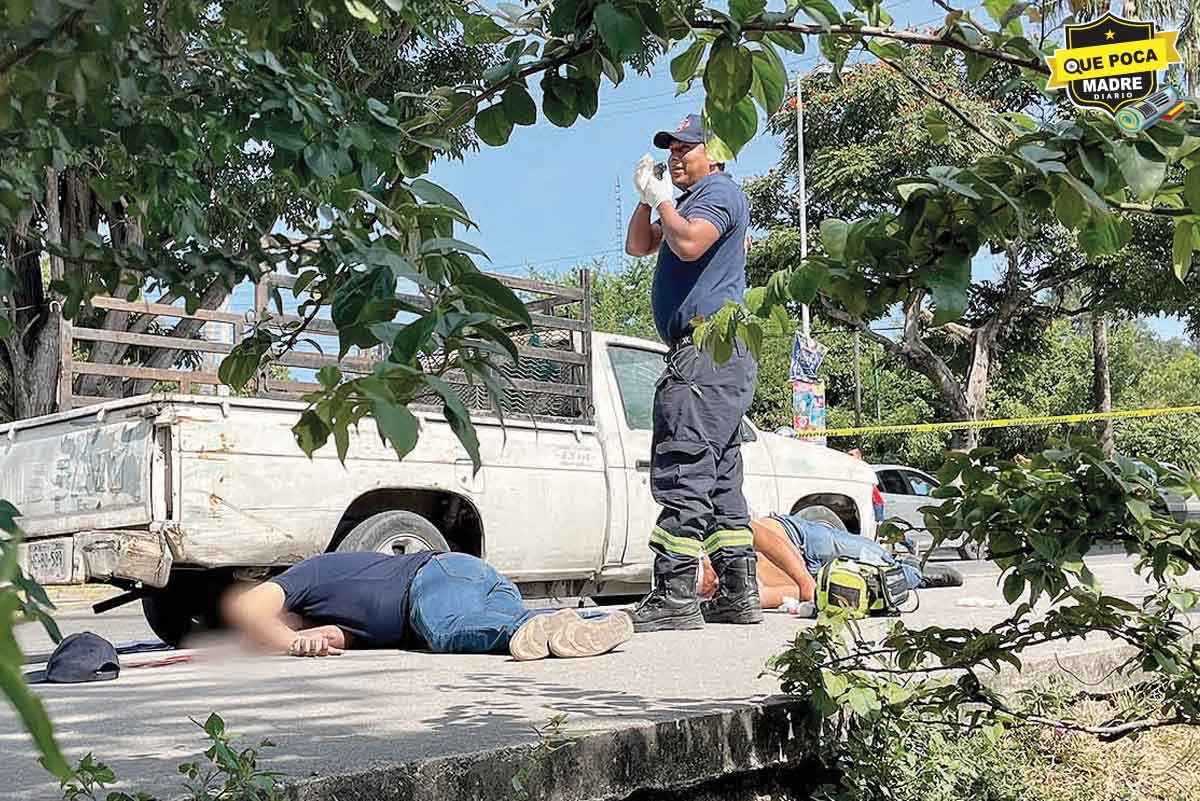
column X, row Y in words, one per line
column 681, row 342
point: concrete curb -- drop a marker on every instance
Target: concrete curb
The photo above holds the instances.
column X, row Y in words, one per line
column 683, row 752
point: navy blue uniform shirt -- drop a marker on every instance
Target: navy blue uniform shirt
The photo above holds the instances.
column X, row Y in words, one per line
column 365, row 594
column 686, row 289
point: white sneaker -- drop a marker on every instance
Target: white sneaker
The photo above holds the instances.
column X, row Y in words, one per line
column 567, row 635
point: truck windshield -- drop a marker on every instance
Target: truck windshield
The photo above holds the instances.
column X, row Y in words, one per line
column 637, row 372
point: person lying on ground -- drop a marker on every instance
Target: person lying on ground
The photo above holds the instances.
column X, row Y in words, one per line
column 792, row 550
column 448, row 603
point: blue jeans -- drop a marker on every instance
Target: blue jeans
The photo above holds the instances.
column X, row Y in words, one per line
column 821, row 543
column 461, row 605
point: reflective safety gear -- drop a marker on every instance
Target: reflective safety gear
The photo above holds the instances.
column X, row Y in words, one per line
column 861, row 589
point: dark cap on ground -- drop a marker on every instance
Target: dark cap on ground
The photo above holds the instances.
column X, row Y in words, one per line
column 691, row 131
column 78, row 658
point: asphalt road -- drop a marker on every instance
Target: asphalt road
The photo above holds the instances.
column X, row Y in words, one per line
column 369, row 708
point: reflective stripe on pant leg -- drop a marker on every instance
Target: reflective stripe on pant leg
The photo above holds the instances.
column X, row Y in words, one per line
column 676, row 546
column 729, row 538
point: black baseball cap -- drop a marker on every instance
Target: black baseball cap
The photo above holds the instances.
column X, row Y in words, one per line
column 691, row 131
column 79, row 658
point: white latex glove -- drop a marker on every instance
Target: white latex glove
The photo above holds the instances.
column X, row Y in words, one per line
column 657, row 190
column 643, row 173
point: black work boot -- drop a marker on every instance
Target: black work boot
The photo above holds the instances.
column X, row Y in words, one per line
column 737, row 598
column 670, row 606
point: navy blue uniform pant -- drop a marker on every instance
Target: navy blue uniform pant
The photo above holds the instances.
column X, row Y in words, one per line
column 696, row 460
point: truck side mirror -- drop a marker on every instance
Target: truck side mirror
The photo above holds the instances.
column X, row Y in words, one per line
column 748, row 434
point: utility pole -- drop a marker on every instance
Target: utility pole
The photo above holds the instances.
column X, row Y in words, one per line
column 803, row 193
column 875, row 377
column 857, row 385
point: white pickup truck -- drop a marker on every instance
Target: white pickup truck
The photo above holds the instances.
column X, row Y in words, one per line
column 172, row 496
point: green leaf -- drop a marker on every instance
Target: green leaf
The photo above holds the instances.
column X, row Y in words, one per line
column 481, row 29
column 432, row 193
column 518, row 105
column 442, row 244
column 311, row 432
column 1139, row 509
column 1181, row 250
column 735, row 127
column 949, row 285
column 619, row 31
column 360, row 10
column 743, row 11
column 493, row 126
column 396, row 424
column 407, row 343
column 862, row 701
column 496, row 294
column 684, row 65
column 835, row 683
column 558, row 101
column 770, row 79
column 1104, row 234
column 1191, row 189
column 821, row 12
column 888, row 49
column 935, row 123
column 33, row 715
column 834, row 235
column 1142, row 166
column 320, row 160
column 329, row 376
column 1069, row 206
column 458, row 417
column 728, row 74
column 977, row 66
column 1014, row 586
column 286, row 138
column 788, row 41
column 805, row 282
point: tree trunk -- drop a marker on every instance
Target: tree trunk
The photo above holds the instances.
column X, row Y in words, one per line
column 1101, row 385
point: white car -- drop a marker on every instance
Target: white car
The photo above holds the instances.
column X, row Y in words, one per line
column 906, row 491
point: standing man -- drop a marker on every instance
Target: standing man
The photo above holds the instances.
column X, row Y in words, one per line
column 696, row 459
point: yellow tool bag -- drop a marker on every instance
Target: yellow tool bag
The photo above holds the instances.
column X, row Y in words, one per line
column 862, row 589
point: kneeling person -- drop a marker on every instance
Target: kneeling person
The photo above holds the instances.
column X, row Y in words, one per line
column 449, row 603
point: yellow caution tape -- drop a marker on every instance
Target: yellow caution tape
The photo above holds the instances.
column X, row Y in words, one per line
column 1045, row 420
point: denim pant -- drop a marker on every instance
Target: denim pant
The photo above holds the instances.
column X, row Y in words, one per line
column 460, row 605
column 821, row 543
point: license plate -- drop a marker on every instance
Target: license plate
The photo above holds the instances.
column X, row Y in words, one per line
column 49, row 561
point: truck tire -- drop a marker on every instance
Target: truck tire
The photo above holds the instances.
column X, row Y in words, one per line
column 395, row 533
column 818, row 513
column 972, row 551
column 189, row 604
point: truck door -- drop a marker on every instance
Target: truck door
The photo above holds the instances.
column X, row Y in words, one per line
column 637, row 371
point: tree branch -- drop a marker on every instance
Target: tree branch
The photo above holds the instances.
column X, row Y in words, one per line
column 18, row 56
column 943, row 102
column 911, row 37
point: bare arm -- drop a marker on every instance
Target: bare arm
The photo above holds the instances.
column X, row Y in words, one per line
column 258, row 613
column 643, row 237
column 688, row 239
column 771, row 541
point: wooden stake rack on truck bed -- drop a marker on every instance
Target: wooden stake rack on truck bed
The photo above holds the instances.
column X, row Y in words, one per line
column 552, row 380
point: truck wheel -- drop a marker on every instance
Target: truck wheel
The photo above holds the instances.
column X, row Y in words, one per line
column 971, row 551
column 818, row 513
column 395, row 533
column 188, row 604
